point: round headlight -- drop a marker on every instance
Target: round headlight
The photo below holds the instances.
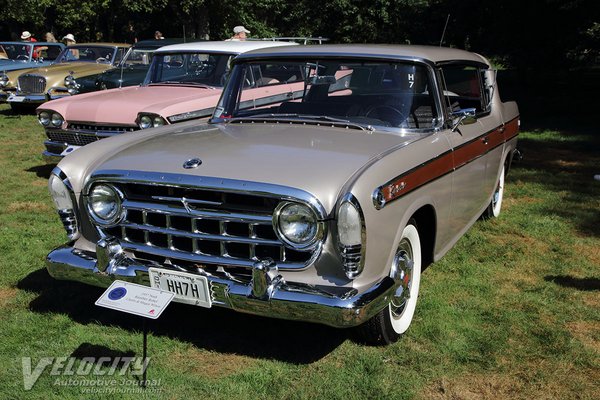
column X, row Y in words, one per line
column 158, row 121
column 44, row 118
column 69, row 80
column 57, row 119
column 3, row 80
column 145, row 122
column 104, row 203
column 296, row 225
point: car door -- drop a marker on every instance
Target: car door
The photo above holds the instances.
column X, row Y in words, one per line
column 462, row 89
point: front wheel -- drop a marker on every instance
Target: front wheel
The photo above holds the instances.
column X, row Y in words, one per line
column 391, row 322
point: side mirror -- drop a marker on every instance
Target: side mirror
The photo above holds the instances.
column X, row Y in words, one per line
column 464, row 116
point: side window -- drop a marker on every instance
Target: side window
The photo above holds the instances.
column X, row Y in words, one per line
column 464, row 88
column 119, row 56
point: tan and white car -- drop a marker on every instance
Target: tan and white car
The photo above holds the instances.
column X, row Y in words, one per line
column 321, row 203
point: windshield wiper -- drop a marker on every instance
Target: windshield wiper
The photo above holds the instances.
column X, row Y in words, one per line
column 305, row 117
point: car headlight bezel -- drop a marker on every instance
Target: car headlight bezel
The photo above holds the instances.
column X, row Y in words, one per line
column 94, row 196
column 281, row 219
column 64, row 200
column 44, row 117
column 4, row 80
column 56, row 120
column 71, row 84
column 147, row 121
column 351, row 235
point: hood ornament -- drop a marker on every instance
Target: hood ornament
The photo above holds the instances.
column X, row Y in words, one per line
column 192, row 163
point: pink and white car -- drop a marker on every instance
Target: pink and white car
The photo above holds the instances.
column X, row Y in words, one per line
column 184, row 82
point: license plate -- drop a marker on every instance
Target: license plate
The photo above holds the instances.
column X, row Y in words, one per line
column 69, row 150
column 16, row 99
column 188, row 288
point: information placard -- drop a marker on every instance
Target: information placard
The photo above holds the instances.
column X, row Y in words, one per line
column 135, row 299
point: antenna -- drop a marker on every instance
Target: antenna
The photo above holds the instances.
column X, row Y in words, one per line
column 444, row 32
column 183, row 33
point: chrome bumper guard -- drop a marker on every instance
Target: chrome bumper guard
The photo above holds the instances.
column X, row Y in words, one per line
column 267, row 293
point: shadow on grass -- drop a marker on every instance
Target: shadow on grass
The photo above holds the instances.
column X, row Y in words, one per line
column 42, row 171
column 565, row 166
column 586, row 284
column 216, row 329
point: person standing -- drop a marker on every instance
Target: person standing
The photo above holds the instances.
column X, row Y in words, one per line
column 26, row 37
column 49, row 37
column 239, row 33
column 131, row 34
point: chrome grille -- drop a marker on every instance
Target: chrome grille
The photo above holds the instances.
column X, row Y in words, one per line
column 196, row 227
column 72, row 138
column 32, row 84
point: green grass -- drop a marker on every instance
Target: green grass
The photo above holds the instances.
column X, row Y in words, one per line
column 512, row 311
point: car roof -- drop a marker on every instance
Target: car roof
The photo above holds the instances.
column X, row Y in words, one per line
column 102, row 44
column 33, row 43
column 416, row 53
column 155, row 43
column 225, row 46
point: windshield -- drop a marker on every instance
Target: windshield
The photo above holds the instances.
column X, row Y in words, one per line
column 95, row 54
column 19, row 52
column 203, row 69
column 138, row 57
column 380, row 94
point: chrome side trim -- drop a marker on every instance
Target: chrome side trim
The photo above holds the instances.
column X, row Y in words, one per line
column 266, row 294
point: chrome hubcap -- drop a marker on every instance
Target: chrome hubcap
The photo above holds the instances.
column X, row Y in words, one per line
column 402, row 273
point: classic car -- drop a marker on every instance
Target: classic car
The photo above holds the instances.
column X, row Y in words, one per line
column 131, row 70
column 38, row 85
column 184, row 82
column 23, row 55
column 320, row 204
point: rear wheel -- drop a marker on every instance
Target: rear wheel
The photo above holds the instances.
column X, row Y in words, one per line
column 493, row 210
column 391, row 322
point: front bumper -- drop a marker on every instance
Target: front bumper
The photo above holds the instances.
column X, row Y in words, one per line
column 265, row 294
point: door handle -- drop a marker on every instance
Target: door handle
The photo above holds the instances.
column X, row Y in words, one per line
column 485, row 140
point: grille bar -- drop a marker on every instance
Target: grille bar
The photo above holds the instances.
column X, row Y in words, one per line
column 223, row 237
column 187, row 256
column 201, row 213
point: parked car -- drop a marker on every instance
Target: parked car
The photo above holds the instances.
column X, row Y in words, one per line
column 322, row 203
column 184, row 82
column 131, row 70
column 24, row 55
column 38, row 85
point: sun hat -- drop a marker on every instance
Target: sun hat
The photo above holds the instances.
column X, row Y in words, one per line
column 69, row 36
column 25, row 35
column 240, row 29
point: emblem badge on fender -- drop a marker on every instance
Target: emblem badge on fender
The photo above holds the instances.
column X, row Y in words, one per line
column 192, row 163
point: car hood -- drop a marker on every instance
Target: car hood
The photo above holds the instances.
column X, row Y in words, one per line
column 317, row 159
column 121, row 106
column 63, row 69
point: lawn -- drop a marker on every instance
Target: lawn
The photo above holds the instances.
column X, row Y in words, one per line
column 513, row 311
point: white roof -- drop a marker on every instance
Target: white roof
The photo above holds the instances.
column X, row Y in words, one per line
column 226, row 46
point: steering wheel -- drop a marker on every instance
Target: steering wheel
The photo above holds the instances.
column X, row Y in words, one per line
column 386, row 113
column 101, row 59
column 22, row 57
